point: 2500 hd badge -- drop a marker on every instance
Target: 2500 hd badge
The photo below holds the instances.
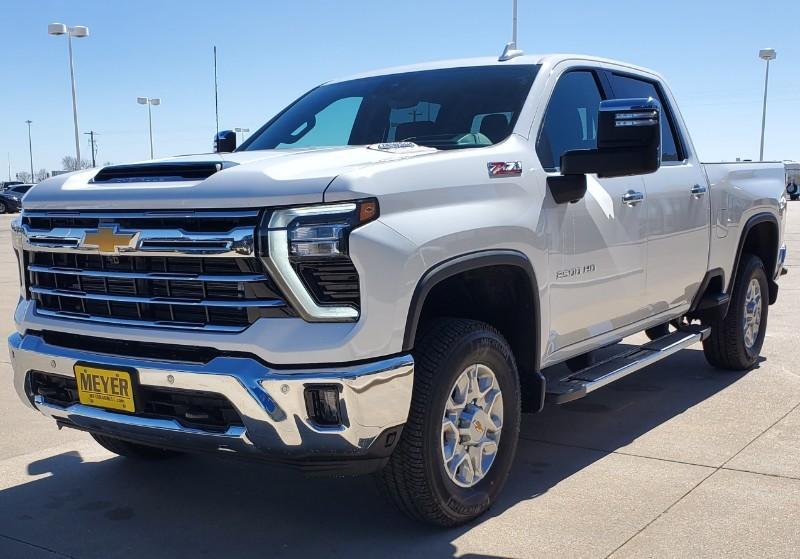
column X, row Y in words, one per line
column 577, row 271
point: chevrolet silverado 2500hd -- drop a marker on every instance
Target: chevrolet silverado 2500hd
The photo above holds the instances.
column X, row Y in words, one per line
column 383, row 275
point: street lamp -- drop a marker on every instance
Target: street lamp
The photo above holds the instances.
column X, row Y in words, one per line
column 149, row 101
column 79, row 32
column 30, row 145
column 243, row 131
column 765, row 54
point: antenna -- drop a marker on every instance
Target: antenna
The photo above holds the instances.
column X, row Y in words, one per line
column 514, row 24
column 511, row 51
column 216, row 96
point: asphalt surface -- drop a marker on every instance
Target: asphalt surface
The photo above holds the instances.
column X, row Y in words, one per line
column 678, row 460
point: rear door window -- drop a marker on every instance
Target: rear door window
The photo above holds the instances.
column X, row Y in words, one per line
column 627, row 87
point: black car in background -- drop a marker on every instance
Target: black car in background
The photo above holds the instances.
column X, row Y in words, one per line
column 11, row 197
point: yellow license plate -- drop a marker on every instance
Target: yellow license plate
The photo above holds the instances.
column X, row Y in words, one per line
column 105, row 388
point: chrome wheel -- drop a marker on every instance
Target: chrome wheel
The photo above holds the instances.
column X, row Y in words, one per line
column 752, row 313
column 471, row 425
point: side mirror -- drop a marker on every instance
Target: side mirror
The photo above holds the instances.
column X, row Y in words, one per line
column 225, row 141
column 628, row 143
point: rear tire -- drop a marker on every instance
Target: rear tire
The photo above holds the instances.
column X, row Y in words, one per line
column 731, row 346
column 417, row 478
column 3, row 208
column 133, row 450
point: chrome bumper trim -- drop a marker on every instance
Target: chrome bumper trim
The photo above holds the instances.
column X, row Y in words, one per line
column 374, row 397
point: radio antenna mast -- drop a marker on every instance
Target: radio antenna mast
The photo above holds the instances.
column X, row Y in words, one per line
column 511, row 50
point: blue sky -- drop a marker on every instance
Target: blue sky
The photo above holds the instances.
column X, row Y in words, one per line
column 270, row 52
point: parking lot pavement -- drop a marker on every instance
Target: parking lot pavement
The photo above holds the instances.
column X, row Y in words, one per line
column 678, row 460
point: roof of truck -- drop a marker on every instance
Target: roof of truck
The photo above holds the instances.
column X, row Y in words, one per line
column 551, row 59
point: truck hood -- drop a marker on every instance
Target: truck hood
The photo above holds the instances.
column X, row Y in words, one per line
column 245, row 179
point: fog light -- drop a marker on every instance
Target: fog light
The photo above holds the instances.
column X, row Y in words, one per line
column 322, row 404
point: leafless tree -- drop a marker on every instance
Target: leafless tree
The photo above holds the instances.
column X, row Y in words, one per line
column 70, row 163
column 24, row 176
column 41, row 174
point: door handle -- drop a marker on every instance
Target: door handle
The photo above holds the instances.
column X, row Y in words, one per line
column 697, row 191
column 632, row 198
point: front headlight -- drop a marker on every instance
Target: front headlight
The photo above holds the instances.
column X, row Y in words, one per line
column 306, row 250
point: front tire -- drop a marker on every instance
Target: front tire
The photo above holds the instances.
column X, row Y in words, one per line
column 458, row 445
column 736, row 341
column 3, row 208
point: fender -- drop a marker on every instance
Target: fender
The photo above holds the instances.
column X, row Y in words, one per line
column 463, row 263
column 752, row 222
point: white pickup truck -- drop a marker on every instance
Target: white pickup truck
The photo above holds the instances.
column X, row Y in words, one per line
column 382, row 277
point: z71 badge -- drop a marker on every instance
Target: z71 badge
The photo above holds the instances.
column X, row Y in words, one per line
column 498, row 169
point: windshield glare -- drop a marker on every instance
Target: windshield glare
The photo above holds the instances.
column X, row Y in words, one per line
column 447, row 109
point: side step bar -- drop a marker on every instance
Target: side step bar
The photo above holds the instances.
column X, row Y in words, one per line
column 579, row 384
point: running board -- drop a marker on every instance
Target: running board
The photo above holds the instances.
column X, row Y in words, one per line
column 579, row 384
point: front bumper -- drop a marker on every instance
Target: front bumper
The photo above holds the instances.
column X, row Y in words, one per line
column 374, row 398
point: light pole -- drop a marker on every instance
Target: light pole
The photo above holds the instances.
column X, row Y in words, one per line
column 243, row 131
column 765, row 54
column 149, row 102
column 30, row 146
column 79, row 31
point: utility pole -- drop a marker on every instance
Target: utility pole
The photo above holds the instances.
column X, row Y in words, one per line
column 766, row 55
column 8, row 155
column 91, row 133
column 30, row 146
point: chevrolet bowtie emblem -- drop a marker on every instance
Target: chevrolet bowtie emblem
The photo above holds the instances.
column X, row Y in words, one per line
column 106, row 239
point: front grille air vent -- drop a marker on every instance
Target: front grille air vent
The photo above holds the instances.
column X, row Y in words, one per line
column 331, row 282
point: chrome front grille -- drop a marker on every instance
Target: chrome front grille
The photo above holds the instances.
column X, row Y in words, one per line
column 172, row 274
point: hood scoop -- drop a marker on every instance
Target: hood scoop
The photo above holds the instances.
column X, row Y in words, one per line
column 160, row 172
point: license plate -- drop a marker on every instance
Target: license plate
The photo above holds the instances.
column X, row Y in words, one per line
column 105, row 388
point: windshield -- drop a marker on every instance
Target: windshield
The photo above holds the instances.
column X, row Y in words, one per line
column 446, row 109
